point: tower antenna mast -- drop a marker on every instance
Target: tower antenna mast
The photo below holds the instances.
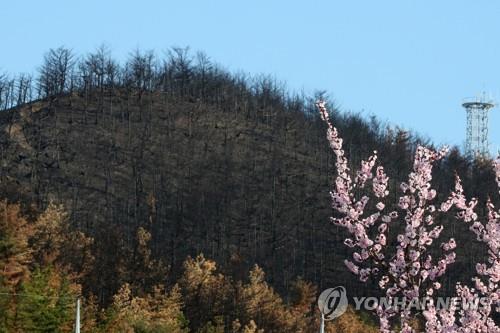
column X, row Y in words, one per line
column 477, row 143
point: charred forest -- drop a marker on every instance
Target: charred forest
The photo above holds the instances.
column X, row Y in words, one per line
column 159, row 159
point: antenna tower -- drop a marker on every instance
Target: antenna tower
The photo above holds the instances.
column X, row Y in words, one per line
column 476, row 144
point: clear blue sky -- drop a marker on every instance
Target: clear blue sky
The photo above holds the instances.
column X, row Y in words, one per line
column 408, row 62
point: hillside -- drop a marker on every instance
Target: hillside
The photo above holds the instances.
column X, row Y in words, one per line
column 200, row 179
column 206, row 164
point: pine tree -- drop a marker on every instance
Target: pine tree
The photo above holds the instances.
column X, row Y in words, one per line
column 45, row 303
column 90, row 314
column 206, row 292
column 157, row 312
column 55, row 243
column 15, row 254
column 262, row 304
column 5, row 306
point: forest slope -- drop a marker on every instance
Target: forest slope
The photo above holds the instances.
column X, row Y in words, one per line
column 239, row 186
column 204, row 160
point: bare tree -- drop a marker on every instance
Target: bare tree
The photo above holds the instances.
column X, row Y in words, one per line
column 7, row 92
column 140, row 71
column 100, row 68
column 24, row 88
column 182, row 64
column 3, row 85
column 55, row 72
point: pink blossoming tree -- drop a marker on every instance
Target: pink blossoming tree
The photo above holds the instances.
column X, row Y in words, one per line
column 407, row 271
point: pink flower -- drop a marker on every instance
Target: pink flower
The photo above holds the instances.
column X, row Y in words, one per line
column 351, row 266
column 349, row 242
column 364, row 274
column 381, row 239
column 436, row 232
column 481, row 269
column 404, row 202
column 383, row 281
column 450, row 245
column 412, row 276
column 414, row 255
column 380, row 183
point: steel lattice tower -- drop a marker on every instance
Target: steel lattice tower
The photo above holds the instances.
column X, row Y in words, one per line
column 476, row 143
